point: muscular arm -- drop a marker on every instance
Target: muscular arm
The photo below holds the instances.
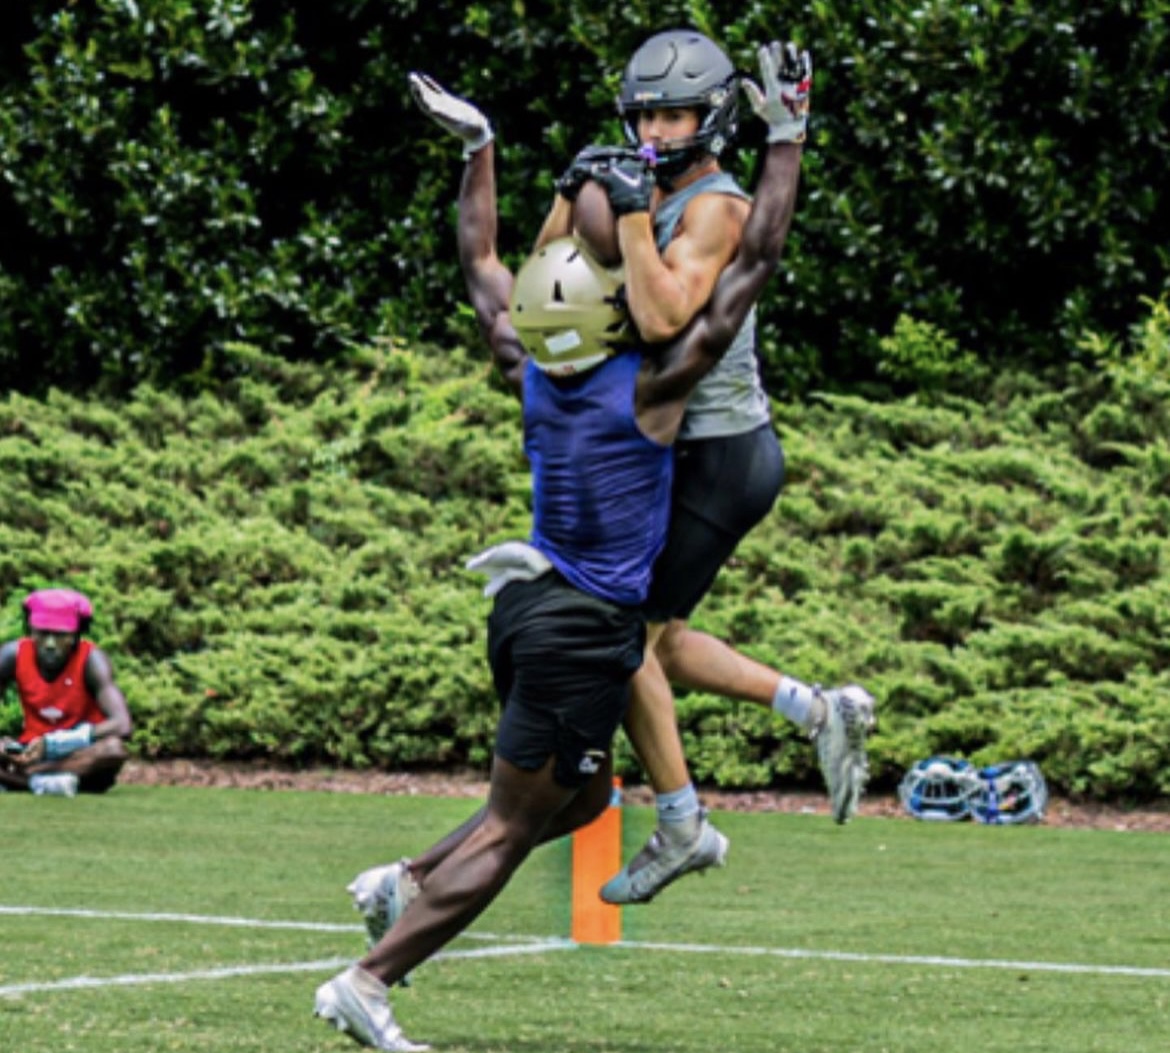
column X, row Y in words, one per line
column 689, row 358
column 489, row 282
column 764, row 235
column 666, row 291
column 99, row 679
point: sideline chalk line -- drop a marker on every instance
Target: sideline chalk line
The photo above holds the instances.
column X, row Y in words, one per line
column 505, row 946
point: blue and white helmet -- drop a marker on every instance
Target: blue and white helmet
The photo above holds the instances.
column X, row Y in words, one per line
column 939, row 788
column 1012, row 792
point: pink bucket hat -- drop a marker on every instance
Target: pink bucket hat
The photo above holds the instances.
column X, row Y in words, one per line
column 57, row 610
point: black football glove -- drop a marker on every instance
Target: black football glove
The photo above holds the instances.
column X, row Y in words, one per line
column 628, row 183
column 569, row 185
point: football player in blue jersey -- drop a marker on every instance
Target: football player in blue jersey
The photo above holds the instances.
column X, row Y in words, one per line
column 567, row 629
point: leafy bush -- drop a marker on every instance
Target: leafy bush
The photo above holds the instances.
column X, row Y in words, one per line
column 180, row 175
column 278, row 571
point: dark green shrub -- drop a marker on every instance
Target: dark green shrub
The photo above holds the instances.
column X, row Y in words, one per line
column 181, row 175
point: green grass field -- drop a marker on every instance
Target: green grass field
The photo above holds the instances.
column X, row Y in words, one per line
column 169, row 919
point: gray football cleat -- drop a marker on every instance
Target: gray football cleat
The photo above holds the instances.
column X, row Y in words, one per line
column 663, row 860
column 840, row 735
column 368, row 1020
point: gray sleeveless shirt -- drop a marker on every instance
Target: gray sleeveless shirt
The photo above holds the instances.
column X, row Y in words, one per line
column 730, row 399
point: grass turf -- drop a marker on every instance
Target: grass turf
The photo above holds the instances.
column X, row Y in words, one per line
column 884, row 935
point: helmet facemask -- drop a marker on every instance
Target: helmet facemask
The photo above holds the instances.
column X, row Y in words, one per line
column 939, row 788
column 1009, row 793
column 949, row 789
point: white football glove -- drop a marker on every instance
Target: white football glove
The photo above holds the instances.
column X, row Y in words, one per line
column 508, row 562
column 457, row 115
column 783, row 102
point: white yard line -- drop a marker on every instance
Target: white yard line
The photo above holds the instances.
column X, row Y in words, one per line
column 502, row 946
column 324, row 965
column 191, row 919
column 908, row 959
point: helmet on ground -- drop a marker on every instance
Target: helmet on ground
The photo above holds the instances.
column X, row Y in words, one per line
column 682, row 69
column 566, row 309
column 939, row 788
column 1012, row 792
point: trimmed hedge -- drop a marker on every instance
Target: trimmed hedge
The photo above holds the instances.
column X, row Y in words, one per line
column 278, row 572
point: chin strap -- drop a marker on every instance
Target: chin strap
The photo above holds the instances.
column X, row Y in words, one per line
column 671, row 166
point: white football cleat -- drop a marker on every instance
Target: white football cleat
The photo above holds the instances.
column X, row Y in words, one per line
column 664, row 860
column 381, row 894
column 840, row 735
column 367, row 1019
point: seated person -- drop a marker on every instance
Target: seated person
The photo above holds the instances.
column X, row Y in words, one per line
column 76, row 721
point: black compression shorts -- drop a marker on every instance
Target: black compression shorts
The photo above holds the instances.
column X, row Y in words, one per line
column 722, row 488
column 562, row 661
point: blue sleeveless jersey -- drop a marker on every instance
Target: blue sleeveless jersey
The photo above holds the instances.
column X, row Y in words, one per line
column 601, row 489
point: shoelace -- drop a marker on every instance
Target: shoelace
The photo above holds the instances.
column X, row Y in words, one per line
column 652, row 850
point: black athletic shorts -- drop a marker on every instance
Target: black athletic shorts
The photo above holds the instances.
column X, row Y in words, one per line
column 722, row 488
column 101, row 782
column 562, row 661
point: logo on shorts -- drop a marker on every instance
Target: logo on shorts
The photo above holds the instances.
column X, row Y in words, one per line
column 591, row 762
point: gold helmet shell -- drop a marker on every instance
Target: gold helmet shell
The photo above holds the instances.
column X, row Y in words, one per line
column 566, row 310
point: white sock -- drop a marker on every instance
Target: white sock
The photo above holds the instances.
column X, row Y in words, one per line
column 366, row 983
column 677, row 809
column 794, row 699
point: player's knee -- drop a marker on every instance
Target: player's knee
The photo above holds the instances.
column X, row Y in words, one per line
column 669, row 645
column 111, row 750
column 492, row 853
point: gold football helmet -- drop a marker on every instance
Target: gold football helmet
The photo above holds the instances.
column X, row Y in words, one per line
column 566, row 310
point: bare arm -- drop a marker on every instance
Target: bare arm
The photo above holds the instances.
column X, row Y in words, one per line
column 666, row 291
column 99, row 679
column 558, row 222
column 694, row 354
column 786, row 73
column 743, row 280
column 489, row 282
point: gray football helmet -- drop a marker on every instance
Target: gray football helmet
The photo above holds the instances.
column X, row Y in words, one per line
column 682, row 69
column 566, row 309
